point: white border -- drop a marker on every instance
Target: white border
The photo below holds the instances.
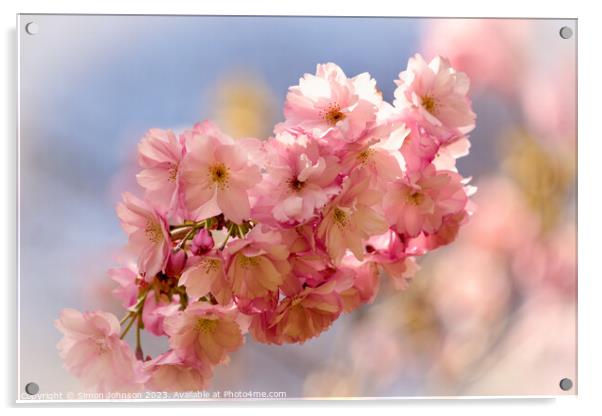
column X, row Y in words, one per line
column 590, row 288
column 18, row 225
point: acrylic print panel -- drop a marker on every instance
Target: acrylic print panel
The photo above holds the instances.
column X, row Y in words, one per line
column 296, row 207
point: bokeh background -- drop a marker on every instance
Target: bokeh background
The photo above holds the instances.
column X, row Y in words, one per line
column 492, row 314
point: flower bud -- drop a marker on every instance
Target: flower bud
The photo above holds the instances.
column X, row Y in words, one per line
column 202, row 242
column 176, row 263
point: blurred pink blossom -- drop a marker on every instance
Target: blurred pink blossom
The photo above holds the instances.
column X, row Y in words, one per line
column 169, row 373
column 492, row 52
column 92, row 351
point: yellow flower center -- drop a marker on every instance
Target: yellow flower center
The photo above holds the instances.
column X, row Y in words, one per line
column 429, row 103
column 153, row 231
column 415, row 198
column 206, row 326
column 219, row 175
column 211, row 265
column 364, row 156
column 333, row 115
column 246, row 262
column 340, row 217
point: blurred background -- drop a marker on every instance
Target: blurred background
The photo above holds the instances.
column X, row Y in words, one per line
column 492, row 314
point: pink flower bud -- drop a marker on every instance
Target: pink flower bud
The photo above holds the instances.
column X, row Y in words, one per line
column 176, row 263
column 202, row 242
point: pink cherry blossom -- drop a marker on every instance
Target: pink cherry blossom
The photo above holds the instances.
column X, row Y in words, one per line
column 393, row 255
column 419, row 202
column 437, row 92
column 92, row 351
column 446, row 157
column 426, row 144
column 279, row 237
column 330, row 105
column 351, row 218
column 309, row 262
column 157, row 307
column 377, row 154
column 419, row 149
column 168, row 372
column 257, row 264
column 148, row 234
column 378, row 162
column 446, row 233
column 401, row 271
column 307, row 314
column 250, row 307
column 160, row 153
column 300, row 179
column 357, row 282
column 206, row 274
column 217, row 174
column 204, row 334
column 386, row 248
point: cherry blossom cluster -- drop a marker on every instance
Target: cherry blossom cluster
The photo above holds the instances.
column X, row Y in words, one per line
column 277, row 238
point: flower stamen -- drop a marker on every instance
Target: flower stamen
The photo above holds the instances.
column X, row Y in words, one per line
column 295, row 184
column 153, row 232
column 211, row 265
column 219, row 175
column 429, row 103
column 415, row 198
column 333, row 115
column 340, row 217
column 246, row 262
column 206, row 326
column 364, row 156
